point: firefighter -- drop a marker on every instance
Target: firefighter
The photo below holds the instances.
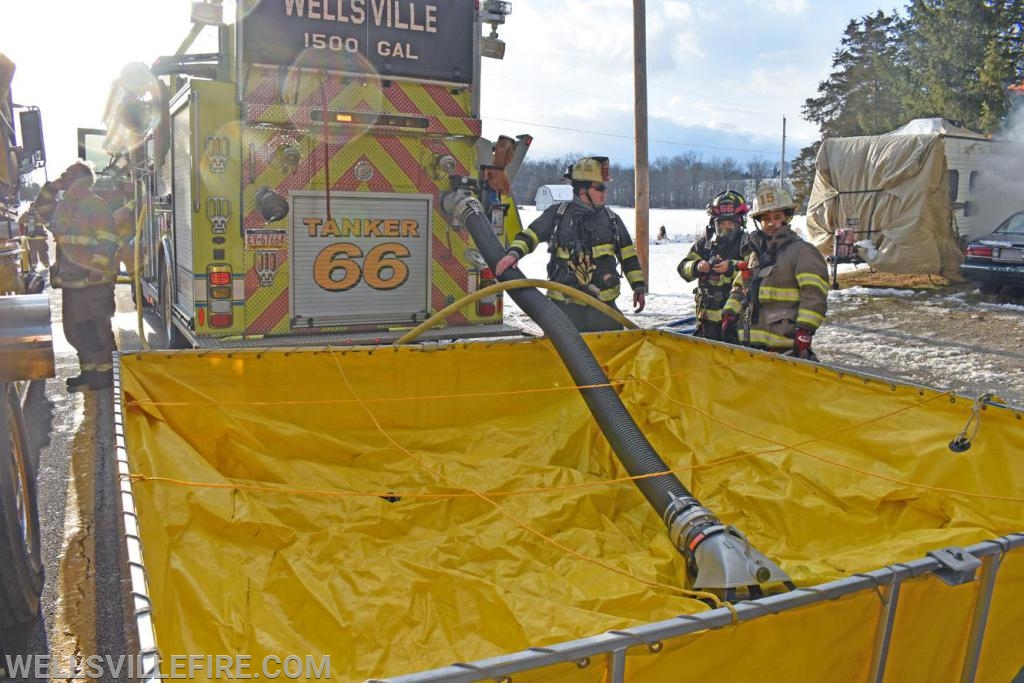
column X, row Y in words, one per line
column 713, row 261
column 781, row 298
column 35, row 236
column 587, row 241
column 83, row 229
column 33, row 222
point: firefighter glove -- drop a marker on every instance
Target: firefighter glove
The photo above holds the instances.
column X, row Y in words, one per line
column 802, row 342
column 639, row 299
column 722, row 267
column 729, row 327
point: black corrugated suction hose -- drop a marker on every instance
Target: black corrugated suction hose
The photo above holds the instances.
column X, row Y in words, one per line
column 630, row 445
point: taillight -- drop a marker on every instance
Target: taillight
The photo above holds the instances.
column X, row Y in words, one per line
column 219, row 278
column 218, row 287
column 489, row 305
column 979, row 250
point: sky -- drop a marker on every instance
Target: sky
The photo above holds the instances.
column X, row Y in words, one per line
column 721, row 75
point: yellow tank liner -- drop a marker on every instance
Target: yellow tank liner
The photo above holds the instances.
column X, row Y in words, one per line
column 403, row 508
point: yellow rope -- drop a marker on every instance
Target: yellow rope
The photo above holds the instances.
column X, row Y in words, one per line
column 426, row 466
column 778, row 446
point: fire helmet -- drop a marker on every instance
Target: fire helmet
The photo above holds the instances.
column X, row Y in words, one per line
column 589, row 169
column 770, row 198
column 729, row 205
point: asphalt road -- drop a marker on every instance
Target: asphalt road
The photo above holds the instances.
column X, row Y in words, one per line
column 84, row 598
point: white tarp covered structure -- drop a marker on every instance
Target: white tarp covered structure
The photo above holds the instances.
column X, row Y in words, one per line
column 888, row 197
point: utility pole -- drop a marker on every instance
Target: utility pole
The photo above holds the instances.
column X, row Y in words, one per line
column 782, row 164
column 642, row 173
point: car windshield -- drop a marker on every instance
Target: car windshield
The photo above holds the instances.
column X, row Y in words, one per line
column 1013, row 225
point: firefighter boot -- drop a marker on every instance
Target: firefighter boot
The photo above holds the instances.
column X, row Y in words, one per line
column 73, row 383
column 100, row 380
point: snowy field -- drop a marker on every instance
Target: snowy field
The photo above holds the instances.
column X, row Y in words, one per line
column 952, row 339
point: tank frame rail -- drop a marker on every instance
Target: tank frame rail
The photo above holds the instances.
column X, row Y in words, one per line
column 143, row 636
column 953, row 566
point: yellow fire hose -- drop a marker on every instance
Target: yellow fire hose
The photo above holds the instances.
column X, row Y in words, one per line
column 571, row 292
column 137, row 275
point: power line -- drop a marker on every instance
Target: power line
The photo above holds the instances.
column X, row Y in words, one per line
column 694, row 95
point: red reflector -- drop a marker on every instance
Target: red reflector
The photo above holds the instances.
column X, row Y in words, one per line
column 979, row 250
column 202, row 317
column 220, row 278
column 220, row 319
column 484, row 310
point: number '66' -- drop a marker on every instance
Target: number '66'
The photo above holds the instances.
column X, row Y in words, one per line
column 336, row 268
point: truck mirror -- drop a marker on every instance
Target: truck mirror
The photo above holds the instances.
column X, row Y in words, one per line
column 33, row 154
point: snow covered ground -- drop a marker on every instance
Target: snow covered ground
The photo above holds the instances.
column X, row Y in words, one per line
column 952, row 339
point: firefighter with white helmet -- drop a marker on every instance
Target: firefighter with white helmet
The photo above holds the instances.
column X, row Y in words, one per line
column 780, row 299
column 713, row 260
column 587, row 242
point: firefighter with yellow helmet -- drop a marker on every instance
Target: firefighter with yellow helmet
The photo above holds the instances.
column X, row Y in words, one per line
column 780, row 299
column 587, row 242
column 83, row 229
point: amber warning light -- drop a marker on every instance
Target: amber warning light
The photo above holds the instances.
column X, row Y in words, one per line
column 364, row 119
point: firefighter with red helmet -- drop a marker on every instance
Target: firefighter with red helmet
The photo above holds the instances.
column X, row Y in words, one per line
column 587, row 242
column 781, row 298
column 714, row 259
column 83, row 229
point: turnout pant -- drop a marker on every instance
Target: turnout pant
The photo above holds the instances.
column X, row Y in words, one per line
column 86, row 315
column 587, row 319
column 710, row 329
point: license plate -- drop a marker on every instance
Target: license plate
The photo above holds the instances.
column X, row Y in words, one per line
column 1010, row 254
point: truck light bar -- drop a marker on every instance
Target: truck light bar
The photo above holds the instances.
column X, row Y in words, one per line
column 364, row 119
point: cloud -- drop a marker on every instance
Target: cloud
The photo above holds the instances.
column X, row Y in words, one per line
column 673, row 42
column 789, row 7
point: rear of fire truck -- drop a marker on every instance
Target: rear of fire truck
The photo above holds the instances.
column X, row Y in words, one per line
column 26, row 353
column 289, row 183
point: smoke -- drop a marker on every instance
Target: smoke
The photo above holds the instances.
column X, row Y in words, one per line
column 1001, row 185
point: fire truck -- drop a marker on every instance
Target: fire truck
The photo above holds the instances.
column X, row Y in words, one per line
column 26, row 353
column 288, row 184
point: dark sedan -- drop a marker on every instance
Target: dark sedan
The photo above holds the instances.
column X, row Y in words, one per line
column 997, row 260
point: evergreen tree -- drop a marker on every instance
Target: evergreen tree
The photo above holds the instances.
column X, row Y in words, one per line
column 862, row 95
column 962, row 54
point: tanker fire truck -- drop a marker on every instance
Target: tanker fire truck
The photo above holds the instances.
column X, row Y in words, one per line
column 289, row 183
column 26, row 353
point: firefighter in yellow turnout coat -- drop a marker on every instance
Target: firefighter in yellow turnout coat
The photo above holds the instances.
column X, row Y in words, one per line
column 782, row 298
column 587, row 243
column 83, row 229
